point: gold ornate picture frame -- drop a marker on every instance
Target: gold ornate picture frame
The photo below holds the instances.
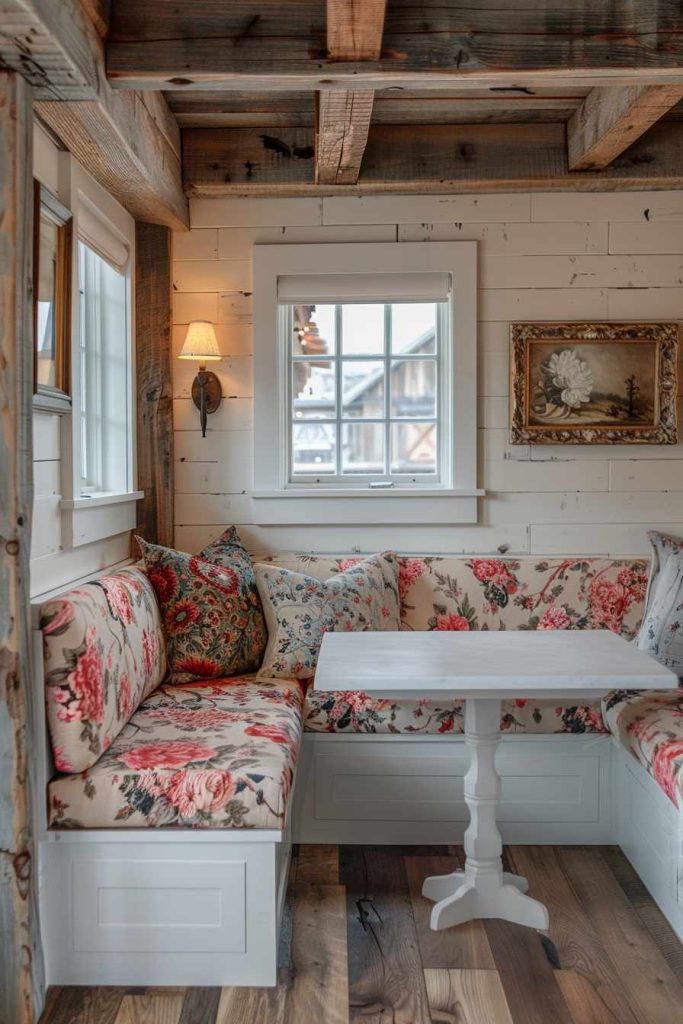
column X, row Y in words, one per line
column 593, row 383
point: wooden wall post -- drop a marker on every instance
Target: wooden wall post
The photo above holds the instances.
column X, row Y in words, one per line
column 154, row 381
column 21, row 982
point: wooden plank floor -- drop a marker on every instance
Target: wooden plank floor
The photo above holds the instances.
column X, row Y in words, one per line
column 357, row 949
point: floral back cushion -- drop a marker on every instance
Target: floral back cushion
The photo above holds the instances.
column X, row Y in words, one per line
column 300, row 609
column 661, row 633
column 104, row 653
column 210, row 609
column 455, row 592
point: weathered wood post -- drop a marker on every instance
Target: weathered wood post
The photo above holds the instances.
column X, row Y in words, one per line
column 21, row 984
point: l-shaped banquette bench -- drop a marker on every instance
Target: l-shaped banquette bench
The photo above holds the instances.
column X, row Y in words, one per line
column 164, row 840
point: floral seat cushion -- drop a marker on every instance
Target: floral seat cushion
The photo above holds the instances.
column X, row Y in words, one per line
column 650, row 726
column 353, row 711
column 104, row 653
column 217, row 754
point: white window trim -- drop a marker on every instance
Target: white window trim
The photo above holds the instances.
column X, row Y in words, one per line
column 276, row 500
column 104, row 514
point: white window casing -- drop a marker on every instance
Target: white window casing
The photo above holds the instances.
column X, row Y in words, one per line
column 433, row 272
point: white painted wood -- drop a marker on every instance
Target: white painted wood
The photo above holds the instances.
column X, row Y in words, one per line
column 254, row 212
column 613, row 539
column 543, row 304
column 664, row 475
column 150, row 908
column 187, row 306
column 57, row 570
column 46, row 427
column 227, row 275
column 232, row 414
column 90, row 523
column 536, row 477
column 496, row 664
column 483, row 889
column 646, row 237
column 197, row 244
column 602, row 206
column 515, row 239
column 650, row 832
column 390, row 789
column 540, row 272
column 570, row 516
column 418, row 209
column 645, row 304
column 238, row 243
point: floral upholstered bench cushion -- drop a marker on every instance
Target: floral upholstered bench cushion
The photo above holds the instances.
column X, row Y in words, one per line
column 458, row 593
column 217, row 754
column 650, row 726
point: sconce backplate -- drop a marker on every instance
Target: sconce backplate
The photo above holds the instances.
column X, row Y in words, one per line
column 214, row 392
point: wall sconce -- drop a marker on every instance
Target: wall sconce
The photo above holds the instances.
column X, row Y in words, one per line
column 201, row 344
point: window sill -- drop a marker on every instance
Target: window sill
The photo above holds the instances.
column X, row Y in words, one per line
column 371, row 492
column 87, row 520
column 365, row 507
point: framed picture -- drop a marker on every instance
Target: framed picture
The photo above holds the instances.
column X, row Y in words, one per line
column 605, row 383
column 51, row 299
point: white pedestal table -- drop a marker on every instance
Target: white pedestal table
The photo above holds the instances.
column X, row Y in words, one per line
column 485, row 668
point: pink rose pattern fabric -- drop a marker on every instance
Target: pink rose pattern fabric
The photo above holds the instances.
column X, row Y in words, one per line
column 210, row 608
column 455, row 593
column 104, row 653
column 650, row 726
column 218, row 754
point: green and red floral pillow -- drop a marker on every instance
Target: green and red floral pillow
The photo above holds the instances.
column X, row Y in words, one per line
column 210, row 608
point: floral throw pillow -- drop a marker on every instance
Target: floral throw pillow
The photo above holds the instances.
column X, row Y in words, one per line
column 661, row 633
column 300, row 609
column 210, row 609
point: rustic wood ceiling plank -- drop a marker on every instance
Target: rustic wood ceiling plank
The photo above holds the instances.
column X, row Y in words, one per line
column 425, row 159
column 354, row 32
column 128, row 143
column 610, row 120
column 162, row 44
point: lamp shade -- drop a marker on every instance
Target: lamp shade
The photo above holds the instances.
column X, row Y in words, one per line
column 201, row 343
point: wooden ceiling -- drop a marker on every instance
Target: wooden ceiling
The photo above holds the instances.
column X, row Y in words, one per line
column 296, row 97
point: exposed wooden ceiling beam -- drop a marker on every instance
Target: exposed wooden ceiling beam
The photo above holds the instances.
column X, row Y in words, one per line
column 402, row 158
column 168, row 45
column 129, row 143
column 610, row 120
column 354, row 32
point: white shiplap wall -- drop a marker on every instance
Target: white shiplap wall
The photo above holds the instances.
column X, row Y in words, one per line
column 568, row 256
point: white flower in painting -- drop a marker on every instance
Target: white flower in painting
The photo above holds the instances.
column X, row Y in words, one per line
column 571, row 376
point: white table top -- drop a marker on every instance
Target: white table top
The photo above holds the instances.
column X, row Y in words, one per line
column 496, row 664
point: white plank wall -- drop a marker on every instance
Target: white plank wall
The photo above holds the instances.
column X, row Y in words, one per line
column 541, row 257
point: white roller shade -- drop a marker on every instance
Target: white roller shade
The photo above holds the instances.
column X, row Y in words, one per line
column 99, row 237
column 307, row 288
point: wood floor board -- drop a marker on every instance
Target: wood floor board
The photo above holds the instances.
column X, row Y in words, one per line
column 531, row 990
column 464, row 947
column 200, row 1006
column 652, row 989
column 252, row 1006
column 584, row 1000
column 81, row 1005
column 152, row 1008
column 386, row 981
column 639, row 897
column 571, row 930
column 317, row 864
column 320, row 989
column 466, row 997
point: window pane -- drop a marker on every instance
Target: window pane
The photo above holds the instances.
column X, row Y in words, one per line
column 413, row 327
column 362, row 388
column 313, row 393
column 413, row 387
column 413, row 448
column 314, row 447
column 362, row 329
column 363, row 448
column 314, row 330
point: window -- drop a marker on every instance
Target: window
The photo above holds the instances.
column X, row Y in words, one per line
column 365, row 382
column 367, row 397
column 104, row 330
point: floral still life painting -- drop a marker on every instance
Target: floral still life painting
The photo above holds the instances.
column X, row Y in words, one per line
column 607, row 383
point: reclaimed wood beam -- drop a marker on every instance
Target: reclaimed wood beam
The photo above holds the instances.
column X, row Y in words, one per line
column 424, row 158
column 610, row 120
column 432, row 45
column 354, row 32
column 21, row 983
column 154, row 382
column 130, row 144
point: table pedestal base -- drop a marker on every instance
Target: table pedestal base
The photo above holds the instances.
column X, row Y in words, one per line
column 483, row 889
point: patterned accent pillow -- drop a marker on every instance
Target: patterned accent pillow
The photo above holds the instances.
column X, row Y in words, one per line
column 299, row 609
column 661, row 633
column 210, row 609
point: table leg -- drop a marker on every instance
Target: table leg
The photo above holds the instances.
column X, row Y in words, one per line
column 483, row 889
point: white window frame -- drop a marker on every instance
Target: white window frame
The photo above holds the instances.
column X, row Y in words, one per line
column 97, row 515
column 277, row 499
